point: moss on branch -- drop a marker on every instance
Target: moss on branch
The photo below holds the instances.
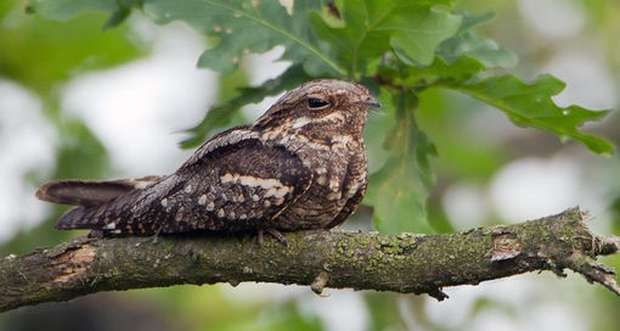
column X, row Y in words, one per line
column 406, row 263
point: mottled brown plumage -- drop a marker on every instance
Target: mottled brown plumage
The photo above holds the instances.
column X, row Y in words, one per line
column 302, row 165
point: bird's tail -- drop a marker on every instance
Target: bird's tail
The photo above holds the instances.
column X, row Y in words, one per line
column 92, row 199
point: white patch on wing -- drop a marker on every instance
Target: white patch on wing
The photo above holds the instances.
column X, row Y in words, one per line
column 227, row 178
column 264, row 183
column 271, row 188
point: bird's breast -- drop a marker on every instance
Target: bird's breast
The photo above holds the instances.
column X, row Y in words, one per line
column 328, row 191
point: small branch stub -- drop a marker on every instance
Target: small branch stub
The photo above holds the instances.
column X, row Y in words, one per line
column 320, row 282
column 608, row 245
column 506, row 245
column 594, row 272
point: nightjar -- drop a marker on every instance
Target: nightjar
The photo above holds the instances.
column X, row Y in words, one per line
column 301, row 165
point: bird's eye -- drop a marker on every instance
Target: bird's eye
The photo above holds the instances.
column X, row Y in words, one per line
column 317, row 103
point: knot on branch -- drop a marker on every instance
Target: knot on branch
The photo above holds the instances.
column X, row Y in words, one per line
column 320, row 282
column 506, row 245
column 73, row 263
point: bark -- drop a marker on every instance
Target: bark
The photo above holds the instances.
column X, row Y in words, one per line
column 406, row 263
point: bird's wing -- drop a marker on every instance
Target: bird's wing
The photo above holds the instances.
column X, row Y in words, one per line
column 235, row 185
column 225, row 138
column 233, row 182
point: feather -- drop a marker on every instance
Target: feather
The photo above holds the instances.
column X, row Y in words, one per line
column 90, row 193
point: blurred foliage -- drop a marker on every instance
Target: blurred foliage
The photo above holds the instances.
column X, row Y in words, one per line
column 207, row 309
column 409, row 151
column 384, row 312
column 41, row 55
column 400, row 46
column 79, row 155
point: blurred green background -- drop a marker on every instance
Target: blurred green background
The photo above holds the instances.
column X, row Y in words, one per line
column 79, row 102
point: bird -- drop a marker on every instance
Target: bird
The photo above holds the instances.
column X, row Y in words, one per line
column 302, row 165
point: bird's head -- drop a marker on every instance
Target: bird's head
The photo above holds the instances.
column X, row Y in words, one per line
column 321, row 106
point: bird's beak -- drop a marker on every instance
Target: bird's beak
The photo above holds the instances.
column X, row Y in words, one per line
column 373, row 102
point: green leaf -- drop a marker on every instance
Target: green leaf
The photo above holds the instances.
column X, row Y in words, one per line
column 441, row 115
column 377, row 129
column 63, row 10
column 351, row 43
column 398, row 192
column 369, row 28
column 458, row 71
column 468, row 43
column 416, row 35
column 530, row 105
column 68, row 47
column 121, row 13
column 459, row 58
column 221, row 115
column 248, row 26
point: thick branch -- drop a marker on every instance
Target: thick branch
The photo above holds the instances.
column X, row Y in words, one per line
column 404, row 263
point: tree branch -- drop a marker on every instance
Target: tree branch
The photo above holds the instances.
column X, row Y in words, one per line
column 404, row 263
